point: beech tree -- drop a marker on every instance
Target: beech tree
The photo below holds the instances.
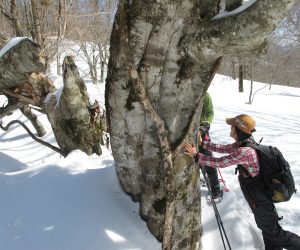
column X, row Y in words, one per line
column 163, row 57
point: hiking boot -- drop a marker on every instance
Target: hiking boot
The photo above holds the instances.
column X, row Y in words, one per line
column 217, row 196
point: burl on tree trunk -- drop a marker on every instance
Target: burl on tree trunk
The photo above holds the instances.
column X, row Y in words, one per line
column 163, row 56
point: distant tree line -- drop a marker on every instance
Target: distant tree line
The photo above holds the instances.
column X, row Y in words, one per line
column 52, row 23
column 278, row 63
column 52, row 26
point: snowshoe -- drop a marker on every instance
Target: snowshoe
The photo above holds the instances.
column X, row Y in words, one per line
column 202, row 182
column 216, row 196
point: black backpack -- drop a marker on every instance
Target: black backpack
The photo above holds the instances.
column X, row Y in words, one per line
column 275, row 172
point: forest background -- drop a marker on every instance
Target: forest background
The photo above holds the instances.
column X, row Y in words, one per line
column 89, row 23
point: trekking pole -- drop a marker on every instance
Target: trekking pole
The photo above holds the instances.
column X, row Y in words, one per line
column 217, row 214
column 226, row 189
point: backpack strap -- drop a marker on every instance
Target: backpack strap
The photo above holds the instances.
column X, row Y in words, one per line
column 262, row 150
column 241, row 170
column 250, row 144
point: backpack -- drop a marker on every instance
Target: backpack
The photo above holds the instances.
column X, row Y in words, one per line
column 274, row 171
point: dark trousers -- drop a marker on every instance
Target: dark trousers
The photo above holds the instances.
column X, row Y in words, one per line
column 212, row 173
column 266, row 217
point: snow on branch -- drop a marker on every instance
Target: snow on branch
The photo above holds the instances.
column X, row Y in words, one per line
column 13, row 42
column 236, row 11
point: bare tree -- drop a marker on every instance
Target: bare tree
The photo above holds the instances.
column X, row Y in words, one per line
column 279, row 62
column 92, row 33
column 60, row 30
column 12, row 16
column 163, row 57
column 241, row 77
column 36, row 23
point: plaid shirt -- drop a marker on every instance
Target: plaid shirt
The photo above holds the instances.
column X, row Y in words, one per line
column 245, row 156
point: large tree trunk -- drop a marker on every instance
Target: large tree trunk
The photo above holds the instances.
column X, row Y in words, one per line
column 232, row 4
column 163, row 56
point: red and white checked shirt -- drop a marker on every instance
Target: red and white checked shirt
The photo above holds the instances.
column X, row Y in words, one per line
column 245, row 156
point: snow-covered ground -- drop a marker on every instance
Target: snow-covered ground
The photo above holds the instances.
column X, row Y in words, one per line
column 277, row 116
column 75, row 203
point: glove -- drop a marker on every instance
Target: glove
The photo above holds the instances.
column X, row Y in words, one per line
column 204, row 128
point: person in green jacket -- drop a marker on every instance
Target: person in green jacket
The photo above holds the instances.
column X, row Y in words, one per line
column 207, row 116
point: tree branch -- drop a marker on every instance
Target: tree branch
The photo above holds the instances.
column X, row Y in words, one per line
column 5, row 128
column 11, row 107
column 242, row 30
column 19, row 97
column 12, row 17
column 33, row 119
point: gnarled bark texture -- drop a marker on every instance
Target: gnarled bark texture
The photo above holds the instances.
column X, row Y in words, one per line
column 71, row 116
column 75, row 123
column 18, row 62
column 163, row 56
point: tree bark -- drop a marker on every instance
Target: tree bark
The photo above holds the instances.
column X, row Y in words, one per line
column 70, row 116
column 233, row 4
column 19, row 62
column 3, row 40
column 241, row 78
column 11, row 107
column 12, row 17
column 175, row 48
column 232, row 64
column 36, row 23
column 75, row 123
column 251, row 91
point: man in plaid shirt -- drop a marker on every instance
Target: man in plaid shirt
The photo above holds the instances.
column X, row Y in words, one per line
column 252, row 186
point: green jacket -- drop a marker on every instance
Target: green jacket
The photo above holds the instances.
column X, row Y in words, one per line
column 207, row 113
